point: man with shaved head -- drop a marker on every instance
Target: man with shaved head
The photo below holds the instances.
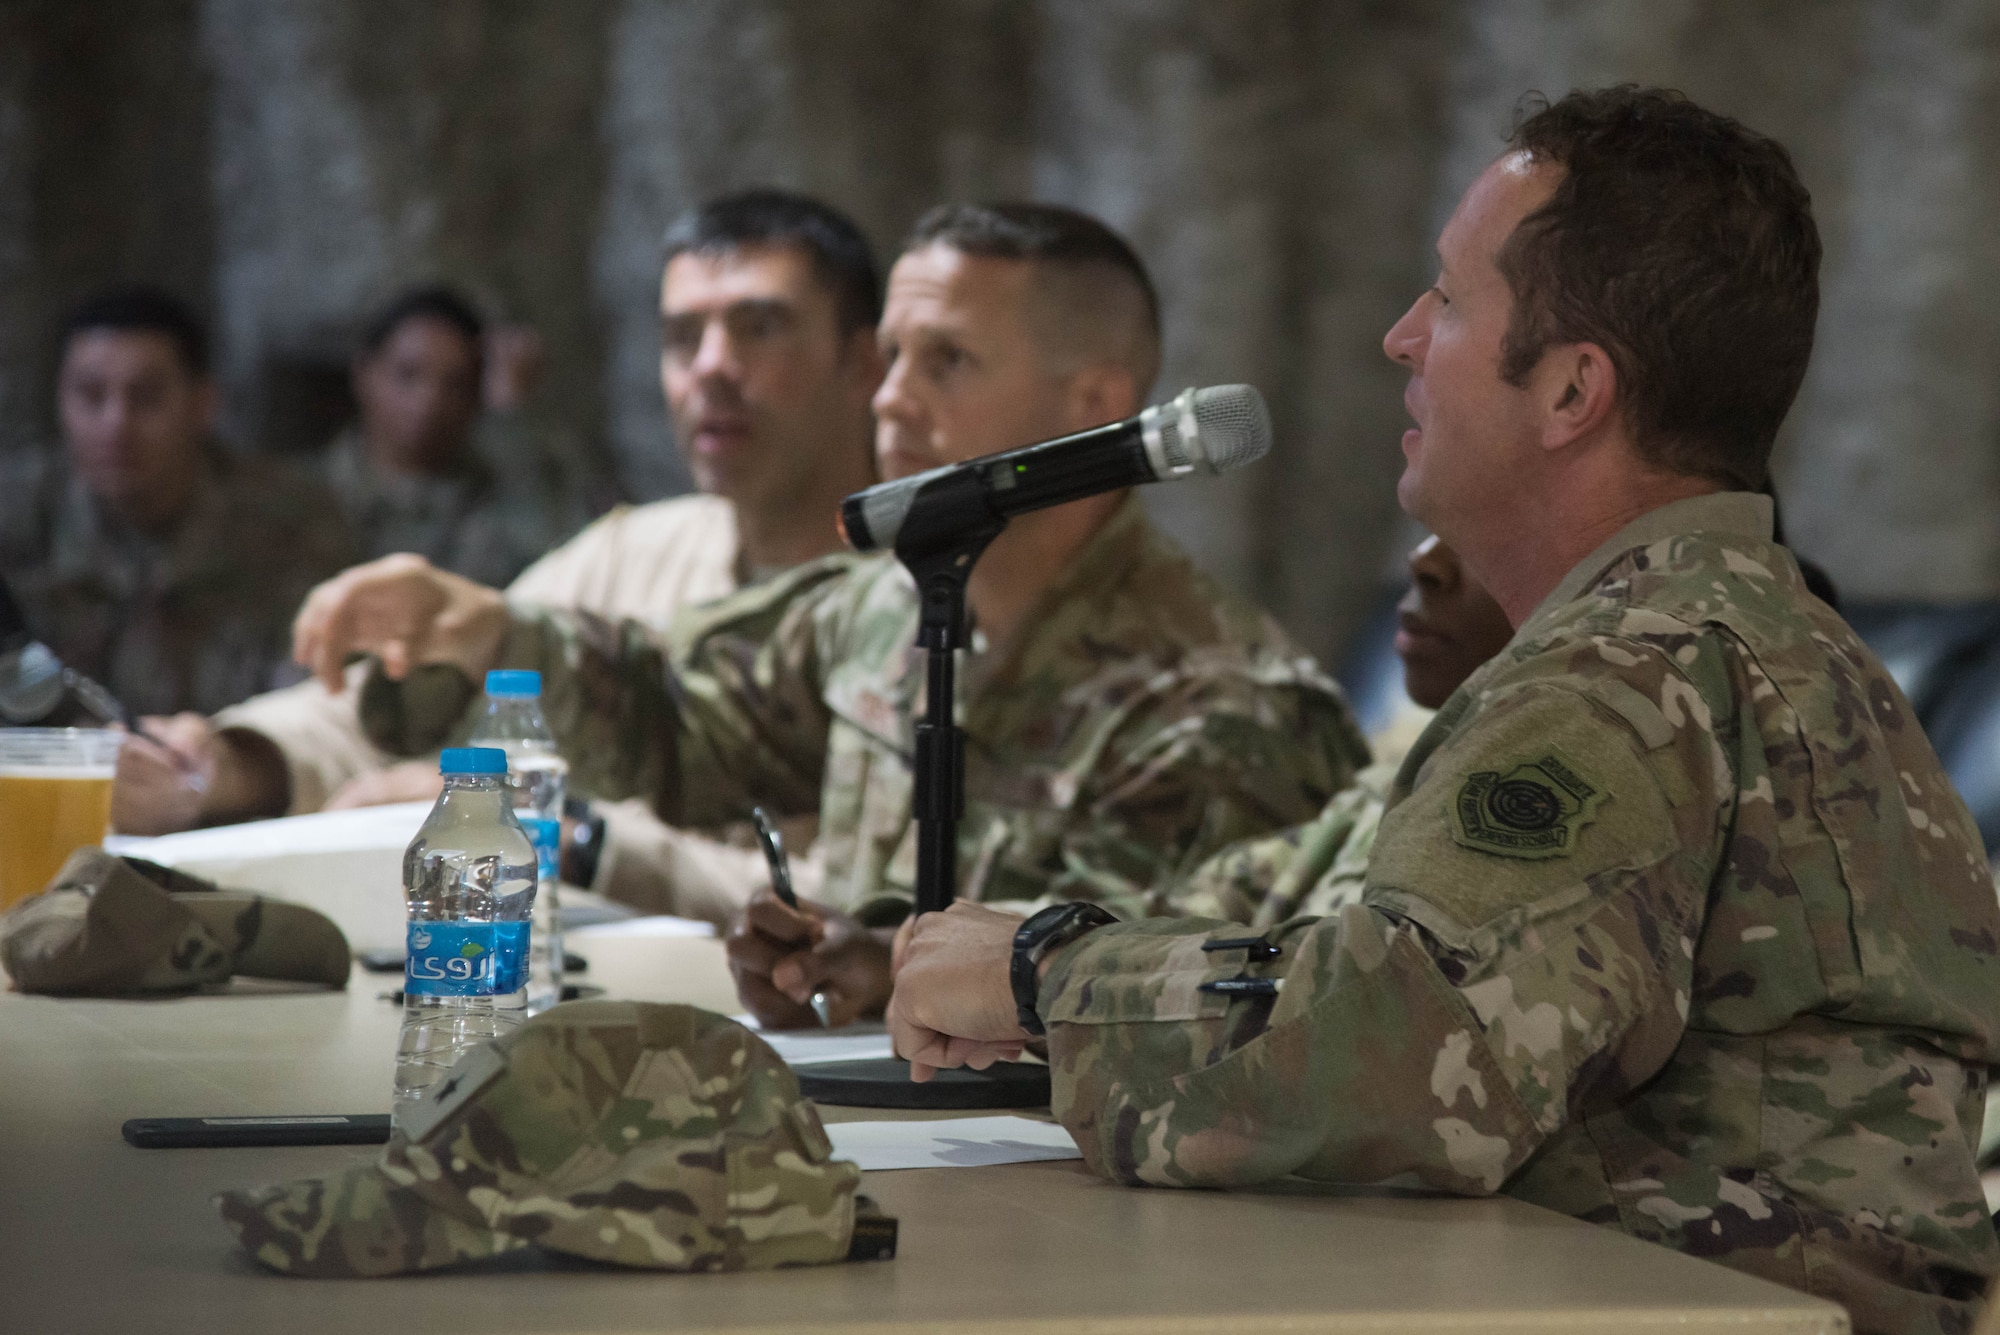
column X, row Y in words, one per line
column 1124, row 715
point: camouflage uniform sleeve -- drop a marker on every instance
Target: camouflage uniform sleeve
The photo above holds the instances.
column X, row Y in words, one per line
column 1524, row 944
column 721, row 713
column 1317, row 868
column 1214, row 759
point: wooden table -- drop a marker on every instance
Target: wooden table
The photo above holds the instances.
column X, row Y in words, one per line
column 98, row 1237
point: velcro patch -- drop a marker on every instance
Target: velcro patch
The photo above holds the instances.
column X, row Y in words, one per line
column 1534, row 810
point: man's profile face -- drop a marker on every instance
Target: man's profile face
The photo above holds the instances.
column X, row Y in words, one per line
column 757, row 374
column 419, row 394
column 966, row 374
column 1446, row 625
column 1463, row 458
column 134, row 417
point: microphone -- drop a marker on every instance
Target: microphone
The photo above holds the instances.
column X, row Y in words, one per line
column 31, row 684
column 33, row 681
column 1208, row 430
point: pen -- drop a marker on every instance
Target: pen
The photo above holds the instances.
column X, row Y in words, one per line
column 781, row 885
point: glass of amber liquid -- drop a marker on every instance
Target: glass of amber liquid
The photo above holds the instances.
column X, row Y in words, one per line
column 55, row 797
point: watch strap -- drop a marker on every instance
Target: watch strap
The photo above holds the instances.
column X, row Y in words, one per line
column 1056, row 925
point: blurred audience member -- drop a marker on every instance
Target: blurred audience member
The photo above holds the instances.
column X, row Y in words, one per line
column 407, row 473
column 553, row 479
column 144, row 554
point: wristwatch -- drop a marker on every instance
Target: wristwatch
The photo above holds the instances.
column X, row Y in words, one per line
column 1056, row 925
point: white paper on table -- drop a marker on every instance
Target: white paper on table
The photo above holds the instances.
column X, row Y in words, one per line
column 960, row 1142
column 806, row 1047
column 359, row 828
column 346, row 864
column 650, row 925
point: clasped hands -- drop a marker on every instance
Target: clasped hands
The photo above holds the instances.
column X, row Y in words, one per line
column 942, row 977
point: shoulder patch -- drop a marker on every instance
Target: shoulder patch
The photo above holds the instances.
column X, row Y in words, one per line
column 1534, row 810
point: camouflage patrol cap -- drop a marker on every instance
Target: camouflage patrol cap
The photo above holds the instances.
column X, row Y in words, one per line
column 112, row 926
column 663, row 1137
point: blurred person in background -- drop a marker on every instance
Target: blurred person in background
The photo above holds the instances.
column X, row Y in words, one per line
column 768, row 304
column 406, row 471
column 553, row 479
column 143, row 553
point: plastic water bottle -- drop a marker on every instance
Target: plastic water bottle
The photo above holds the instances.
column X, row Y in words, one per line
column 469, row 879
column 538, row 774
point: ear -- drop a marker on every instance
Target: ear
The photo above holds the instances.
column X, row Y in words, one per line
column 1578, row 389
column 1101, row 393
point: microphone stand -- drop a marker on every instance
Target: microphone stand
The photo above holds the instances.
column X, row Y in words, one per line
column 939, row 544
column 939, row 547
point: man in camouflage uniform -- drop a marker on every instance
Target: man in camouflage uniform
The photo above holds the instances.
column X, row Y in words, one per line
column 130, row 551
column 768, row 303
column 406, row 472
column 1674, row 922
column 1124, row 715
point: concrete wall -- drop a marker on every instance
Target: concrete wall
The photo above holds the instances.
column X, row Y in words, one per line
column 1282, row 164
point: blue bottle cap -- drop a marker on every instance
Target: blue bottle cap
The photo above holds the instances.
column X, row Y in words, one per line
column 513, row 682
column 472, row 760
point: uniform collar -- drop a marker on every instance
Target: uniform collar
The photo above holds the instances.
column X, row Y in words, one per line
column 1744, row 514
column 1094, row 578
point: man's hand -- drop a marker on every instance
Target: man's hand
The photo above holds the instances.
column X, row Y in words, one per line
column 953, row 1004
column 160, row 786
column 408, row 781
column 194, row 775
column 405, row 611
column 780, row 956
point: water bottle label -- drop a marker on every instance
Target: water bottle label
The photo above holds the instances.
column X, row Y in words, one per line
column 466, row 959
column 546, row 834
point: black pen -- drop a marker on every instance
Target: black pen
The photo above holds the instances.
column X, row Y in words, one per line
column 781, row 885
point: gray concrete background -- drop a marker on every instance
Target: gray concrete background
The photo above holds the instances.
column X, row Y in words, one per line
column 1282, row 164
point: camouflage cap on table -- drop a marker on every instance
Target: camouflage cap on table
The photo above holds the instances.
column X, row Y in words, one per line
column 644, row 1135
column 113, row 926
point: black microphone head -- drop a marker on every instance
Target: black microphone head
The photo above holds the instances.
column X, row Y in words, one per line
column 1214, row 430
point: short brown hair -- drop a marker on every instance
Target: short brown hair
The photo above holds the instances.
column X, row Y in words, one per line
column 1683, row 243
column 1102, row 280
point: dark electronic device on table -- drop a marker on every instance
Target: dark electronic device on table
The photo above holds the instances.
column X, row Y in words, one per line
column 939, row 523
column 189, row 1133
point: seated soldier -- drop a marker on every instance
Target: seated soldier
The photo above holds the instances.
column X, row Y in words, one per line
column 1124, row 715
column 768, row 302
column 144, row 554
column 1446, row 626
column 1673, row 922
column 407, row 474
